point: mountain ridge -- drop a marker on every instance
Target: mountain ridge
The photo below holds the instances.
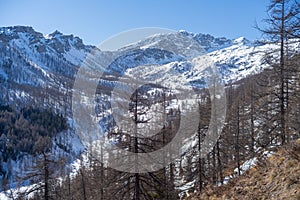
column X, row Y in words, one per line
column 39, row 70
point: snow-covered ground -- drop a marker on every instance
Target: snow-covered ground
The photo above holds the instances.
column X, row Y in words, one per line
column 247, row 165
column 235, row 59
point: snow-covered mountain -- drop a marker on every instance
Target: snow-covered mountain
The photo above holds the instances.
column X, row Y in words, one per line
column 39, row 70
column 34, row 66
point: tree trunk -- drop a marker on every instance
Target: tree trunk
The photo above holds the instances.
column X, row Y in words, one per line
column 46, row 177
column 237, row 144
column 282, row 73
column 219, row 162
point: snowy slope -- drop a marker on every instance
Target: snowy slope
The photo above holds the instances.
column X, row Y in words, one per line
column 39, row 70
column 51, row 61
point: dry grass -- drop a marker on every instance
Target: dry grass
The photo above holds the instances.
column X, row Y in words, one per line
column 276, row 178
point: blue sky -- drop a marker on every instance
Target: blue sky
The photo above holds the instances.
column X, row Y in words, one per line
column 97, row 20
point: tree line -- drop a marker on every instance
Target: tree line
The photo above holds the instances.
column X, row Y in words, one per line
column 263, row 113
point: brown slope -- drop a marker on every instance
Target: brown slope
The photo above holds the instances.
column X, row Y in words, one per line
column 277, row 177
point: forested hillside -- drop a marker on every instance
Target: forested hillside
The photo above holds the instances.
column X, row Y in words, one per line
column 59, row 135
column 250, row 135
column 276, row 177
column 251, row 132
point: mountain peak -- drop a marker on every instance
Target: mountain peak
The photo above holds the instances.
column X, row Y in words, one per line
column 211, row 43
column 56, row 33
column 241, row 40
column 15, row 30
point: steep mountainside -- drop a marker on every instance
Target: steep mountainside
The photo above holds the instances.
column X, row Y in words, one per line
column 274, row 178
column 39, row 70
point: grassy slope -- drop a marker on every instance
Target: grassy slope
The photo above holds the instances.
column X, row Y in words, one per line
column 278, row 177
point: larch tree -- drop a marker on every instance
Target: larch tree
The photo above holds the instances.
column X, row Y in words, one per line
column 282, row 26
